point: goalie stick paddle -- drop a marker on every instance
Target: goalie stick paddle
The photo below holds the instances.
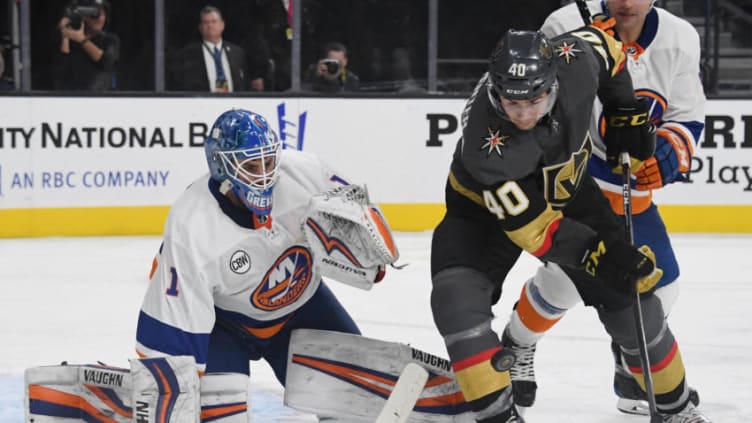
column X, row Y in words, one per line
column 404, row 395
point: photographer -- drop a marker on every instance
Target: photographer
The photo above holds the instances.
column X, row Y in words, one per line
column 88, row 54
column 330, row 74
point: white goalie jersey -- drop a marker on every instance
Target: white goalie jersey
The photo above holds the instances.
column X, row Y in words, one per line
column 211, row 263
column 664, row 65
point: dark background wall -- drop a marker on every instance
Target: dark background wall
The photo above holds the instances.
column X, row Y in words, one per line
column 387, row 39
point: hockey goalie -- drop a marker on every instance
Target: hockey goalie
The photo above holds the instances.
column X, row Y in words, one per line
column 244, row 251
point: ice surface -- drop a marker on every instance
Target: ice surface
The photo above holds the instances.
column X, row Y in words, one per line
column 77, row 299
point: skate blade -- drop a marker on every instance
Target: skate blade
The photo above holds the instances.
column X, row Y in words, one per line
column 521, row 410
column 630, row 406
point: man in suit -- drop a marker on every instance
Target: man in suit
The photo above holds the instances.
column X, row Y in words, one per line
column 212, row 64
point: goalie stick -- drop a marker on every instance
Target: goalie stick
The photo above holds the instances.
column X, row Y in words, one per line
column 404, row 395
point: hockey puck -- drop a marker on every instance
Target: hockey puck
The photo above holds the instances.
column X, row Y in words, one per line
column 503, row 360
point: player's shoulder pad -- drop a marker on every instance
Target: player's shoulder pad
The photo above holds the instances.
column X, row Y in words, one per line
column 291, row 157
column 683, row 35
column 609, row 50
column 306, row 168
column 561, row 20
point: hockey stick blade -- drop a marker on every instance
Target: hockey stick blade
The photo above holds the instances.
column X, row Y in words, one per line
column 404, row 395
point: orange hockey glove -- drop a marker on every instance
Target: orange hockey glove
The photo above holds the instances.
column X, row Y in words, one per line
column 671, row 159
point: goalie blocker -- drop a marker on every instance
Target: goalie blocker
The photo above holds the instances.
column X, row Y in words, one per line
column 165, row 389
column 350, row 240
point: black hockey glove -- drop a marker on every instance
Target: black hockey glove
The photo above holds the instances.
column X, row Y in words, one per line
column 622, row 266
column 630, row 130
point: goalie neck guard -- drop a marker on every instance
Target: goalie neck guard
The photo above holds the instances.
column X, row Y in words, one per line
column 242, row 152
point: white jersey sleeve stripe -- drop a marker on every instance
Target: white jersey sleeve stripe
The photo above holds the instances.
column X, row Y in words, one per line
column 168, row 340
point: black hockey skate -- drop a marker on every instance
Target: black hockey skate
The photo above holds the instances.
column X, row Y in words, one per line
column 632, row 399
column 508, row 416
column 522, row 372
column 690, row 414
column 516, row 417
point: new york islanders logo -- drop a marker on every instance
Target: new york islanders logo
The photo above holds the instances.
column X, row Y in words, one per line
column 285, row 281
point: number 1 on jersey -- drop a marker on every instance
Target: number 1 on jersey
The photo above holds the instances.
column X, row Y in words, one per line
column 173, row 289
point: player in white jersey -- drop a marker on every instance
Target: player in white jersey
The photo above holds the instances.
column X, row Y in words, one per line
column 235, row 273
column 663, row 59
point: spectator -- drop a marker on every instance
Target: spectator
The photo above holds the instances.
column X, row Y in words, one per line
column 330, row 74
column 213, row 64
column 88, row 53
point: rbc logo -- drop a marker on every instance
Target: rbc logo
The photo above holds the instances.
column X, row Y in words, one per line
column 285, row 281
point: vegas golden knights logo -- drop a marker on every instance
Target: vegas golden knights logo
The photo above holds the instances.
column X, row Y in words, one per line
column 561, row 181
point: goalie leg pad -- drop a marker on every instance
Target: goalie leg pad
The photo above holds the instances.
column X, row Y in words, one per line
column 224, row 398
column 165, row 389
column 77, row 393
column 346, row 376
column 153, row 390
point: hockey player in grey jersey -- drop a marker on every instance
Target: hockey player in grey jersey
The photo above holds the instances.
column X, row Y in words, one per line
column 663, row 57
column 519, row 181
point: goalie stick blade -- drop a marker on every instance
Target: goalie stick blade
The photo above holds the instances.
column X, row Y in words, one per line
column 404, row 395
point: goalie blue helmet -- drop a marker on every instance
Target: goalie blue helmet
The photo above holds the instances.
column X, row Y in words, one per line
column 243, row 154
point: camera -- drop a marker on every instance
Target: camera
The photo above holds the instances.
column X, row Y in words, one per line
column 76, row 12
column 332, row 66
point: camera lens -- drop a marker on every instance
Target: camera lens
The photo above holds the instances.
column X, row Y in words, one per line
column 75, row 22
column 332, row 66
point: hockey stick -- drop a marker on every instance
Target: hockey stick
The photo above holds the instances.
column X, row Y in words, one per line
column 584, row 11
column 637, row 308
column 638, row 320
column 404, row 395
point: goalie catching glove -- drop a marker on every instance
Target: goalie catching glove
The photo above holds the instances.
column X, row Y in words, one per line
column 349, row 237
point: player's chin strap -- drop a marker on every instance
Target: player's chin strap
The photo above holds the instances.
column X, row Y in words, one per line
column 349, row 237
